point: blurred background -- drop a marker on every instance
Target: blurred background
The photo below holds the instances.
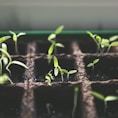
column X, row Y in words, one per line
column 49, row 14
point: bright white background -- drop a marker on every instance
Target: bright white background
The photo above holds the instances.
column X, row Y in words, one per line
column 48, row 14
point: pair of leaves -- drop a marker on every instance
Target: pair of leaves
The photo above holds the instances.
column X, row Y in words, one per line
column 15, row 36
column 93, row 63
column 103, row 98
column 57, row 31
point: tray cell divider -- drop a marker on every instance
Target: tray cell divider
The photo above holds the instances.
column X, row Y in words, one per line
column 88, row 107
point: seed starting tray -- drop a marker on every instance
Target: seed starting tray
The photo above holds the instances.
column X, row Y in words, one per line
column 31, row 97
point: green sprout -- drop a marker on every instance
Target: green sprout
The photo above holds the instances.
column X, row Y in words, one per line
column 103, row 43
column 49, row 77
column 57, row 69
column 104, row 99
column 52, row 39
column 4, row 38
column 5, row 62
column 93, row 63
column 15, row 39
column 76, row 89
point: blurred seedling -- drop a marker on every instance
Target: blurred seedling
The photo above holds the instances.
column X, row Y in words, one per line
column 103, row 45
column 52, row 39
column 5, row 62
column 105, row 99
column 75, row 100
column 93, row 63
column 49, row 77
column 15, row 39
column 56, row 71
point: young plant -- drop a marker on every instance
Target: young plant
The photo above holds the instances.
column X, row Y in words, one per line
column 105, row 99
column 15, row 39
column 103, row 43
column 5, row 62
column 93, row 63
column 75, row 99
column 52, row 39
column 49, row 77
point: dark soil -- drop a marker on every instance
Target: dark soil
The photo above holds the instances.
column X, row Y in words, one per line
column 55, row 102
column 10, row 101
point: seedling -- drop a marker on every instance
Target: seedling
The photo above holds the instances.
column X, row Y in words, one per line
column 104, row 99
column 62, row 71
column 93, row 63
column 15, row 39
column 49, row 77
column 76, row 89
column 56, row 71
column 103, row 43
column 6, row 61
column 52, row 39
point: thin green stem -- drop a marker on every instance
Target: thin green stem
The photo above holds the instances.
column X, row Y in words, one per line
column 16, row 47
column 62, row 78
column 68, row 76
column 105, row 107
column 75, row 103
column 108, row 49
column 10, row 80
column 1, row 66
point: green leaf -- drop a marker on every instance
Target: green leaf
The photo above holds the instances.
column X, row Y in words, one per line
column 90, row 34
column 105, row 43
column 49, row 58
column 98, row 95
column 113, row 38
column 47, row 77
column 63, row 71
column 21, row 34
column 72, row 71
column 59, row 45
column 51, row 36
column 48, row 80
column 6, row 53
column 96, row 61
column 114, row 43
column 56, row 71
column 51, row 49
column 5, row 61
column 4, row 46
column 111, row 98
column 4, row 38
column 98, row 38
column 3, row 79
column 90, row 65
column 56, row 64
column 59, row 29
column 14, row 36
column 17, row 63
